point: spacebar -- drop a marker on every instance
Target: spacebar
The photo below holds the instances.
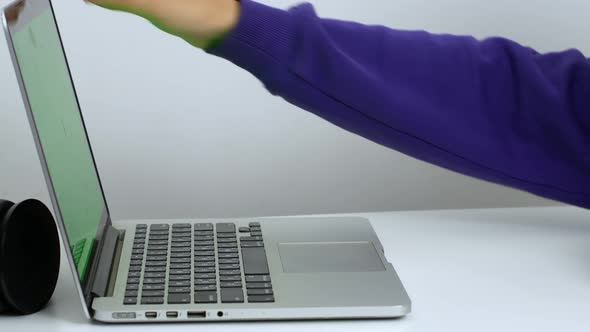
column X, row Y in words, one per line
column 254, row 261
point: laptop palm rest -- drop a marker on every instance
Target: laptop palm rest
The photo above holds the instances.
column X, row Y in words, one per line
column 317, row 257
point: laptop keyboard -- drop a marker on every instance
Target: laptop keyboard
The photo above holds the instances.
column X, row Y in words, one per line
column 198, row 263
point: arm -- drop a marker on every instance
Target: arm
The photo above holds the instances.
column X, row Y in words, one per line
column 490, row 109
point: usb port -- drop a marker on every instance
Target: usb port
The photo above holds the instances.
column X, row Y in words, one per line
column 197, row 314
column 172, row 314
column 151, row 314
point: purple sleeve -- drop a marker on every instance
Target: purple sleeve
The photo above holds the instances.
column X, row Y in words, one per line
column 491, row 109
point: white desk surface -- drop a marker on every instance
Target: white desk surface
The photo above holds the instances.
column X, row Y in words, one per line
column 469, row 270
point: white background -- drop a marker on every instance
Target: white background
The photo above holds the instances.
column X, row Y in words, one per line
column 178, row 133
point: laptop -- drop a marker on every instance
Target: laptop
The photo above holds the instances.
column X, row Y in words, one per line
column 184, row 270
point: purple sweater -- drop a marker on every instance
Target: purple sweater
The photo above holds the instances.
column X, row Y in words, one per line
column 490, row 109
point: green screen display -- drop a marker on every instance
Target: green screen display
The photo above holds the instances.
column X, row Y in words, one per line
column 61, row 133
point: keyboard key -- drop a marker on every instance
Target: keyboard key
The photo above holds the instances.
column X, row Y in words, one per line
column 226, row 240
column 180, row 260
column 136, row 257
column 205, row 282
column 226, row 235
column 227, row 245
column 261, row 298
column 250, row 238
column 227, row 250
column 232, row 295
column 179, row 283
column 205, row 264
column 157, row 253
column 230, row 273
column 130, row 300
column 155, row 269
column 206, row 297
column 204, row 248
column 137, row 252
column 229, row 266
column 159, row 227
column 258, row 278
column 205, row 275
column 179, row 250
column 179, row 290
column 254, row 260
column 205, row 259
column 155, row 275
column 226, row 228
column 133, row 274
column 180, row 272
column 158, row 238
column 179, row 226
column 135, row 268
column 158, row 247
column 266, row 291
column 154, row 281
column 180, row 239
column 203, row 235
column 252, row 244
column 131, row 293
column 203, row 288
column 152, row 300
column 205, row 253
column 204, row 243
column 181, row 245
column 159, row 232
column 254, row 224
column 180, row 277
column 138, row 246
column 158, row 242
column 132, row 287
column 255, row 233
column 152, row 287
column 259, row 285
column 180, row 266
column 157, row 263
column 154, row 293
column 244, row 230
column 228, row 255
column 203, row 227
column 132, row 281
column 179, row 298
column 204, row 270
column 230, row 278
column 231, row 284
column 136, row 262
column 141, row 226
column 229, row 261
column 156, row 258
column 181, row 254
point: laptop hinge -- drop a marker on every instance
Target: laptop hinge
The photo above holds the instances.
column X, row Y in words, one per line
column 109, row 251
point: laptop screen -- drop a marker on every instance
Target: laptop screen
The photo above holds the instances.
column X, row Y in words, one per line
column 61, row 136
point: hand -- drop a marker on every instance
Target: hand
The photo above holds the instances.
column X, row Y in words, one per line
column 199, row 22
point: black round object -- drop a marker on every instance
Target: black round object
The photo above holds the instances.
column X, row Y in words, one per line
column 29, row 256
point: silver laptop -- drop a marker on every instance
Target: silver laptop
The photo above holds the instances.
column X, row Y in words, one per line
column 184, row 270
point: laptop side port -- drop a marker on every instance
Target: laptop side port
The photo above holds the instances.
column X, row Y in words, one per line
column 172, row 314
column 151, row 314
column 197, row 314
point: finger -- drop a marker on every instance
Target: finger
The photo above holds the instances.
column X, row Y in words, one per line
column 132, row 6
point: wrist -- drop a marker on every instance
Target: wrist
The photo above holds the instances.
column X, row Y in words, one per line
column 227, row 18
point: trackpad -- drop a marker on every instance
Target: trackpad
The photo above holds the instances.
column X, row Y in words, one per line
column 330, row 257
